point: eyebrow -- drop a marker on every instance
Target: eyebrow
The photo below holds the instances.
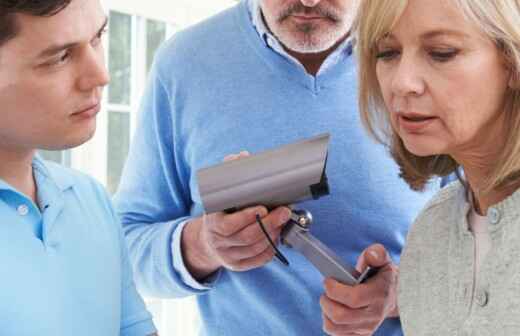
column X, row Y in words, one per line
column 431, row 34
column 54, row 49
column 435, row 33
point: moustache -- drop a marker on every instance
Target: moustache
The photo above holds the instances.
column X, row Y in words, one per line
column 319, row 10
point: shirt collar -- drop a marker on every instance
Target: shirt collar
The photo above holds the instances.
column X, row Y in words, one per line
column 51, row 183
column 255, row 13
column 63, row 181
column 43, row 173
column 38, row 168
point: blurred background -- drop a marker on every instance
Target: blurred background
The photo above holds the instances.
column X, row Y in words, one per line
column 136, row 29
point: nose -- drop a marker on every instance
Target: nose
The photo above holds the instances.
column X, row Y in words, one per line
column 94, row 73
column 310, row 3
column 407, row 79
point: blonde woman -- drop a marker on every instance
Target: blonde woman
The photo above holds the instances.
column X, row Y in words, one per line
column 439, row 84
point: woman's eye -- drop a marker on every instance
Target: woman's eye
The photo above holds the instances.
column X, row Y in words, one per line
column 443, row 56
column 387, row 54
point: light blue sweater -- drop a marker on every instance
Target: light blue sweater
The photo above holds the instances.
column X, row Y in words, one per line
column 217, row 89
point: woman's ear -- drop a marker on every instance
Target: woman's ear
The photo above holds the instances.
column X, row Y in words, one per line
column 514, row 79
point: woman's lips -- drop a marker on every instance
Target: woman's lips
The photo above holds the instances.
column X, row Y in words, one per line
column 415, row 123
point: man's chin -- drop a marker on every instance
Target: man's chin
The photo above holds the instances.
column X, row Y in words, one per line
column 305, row 43
column 82, row 140
column 308, row 47
column 72, row 141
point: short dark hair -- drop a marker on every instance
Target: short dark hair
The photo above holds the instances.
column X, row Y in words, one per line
column 9, row 9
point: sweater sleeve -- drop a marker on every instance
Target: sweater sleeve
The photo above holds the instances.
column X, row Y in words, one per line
column 153, row 199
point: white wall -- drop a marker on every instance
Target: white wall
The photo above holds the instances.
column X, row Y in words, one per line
column 91, row 157
column 179, row 12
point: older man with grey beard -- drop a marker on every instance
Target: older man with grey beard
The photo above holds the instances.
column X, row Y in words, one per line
column 253, row 77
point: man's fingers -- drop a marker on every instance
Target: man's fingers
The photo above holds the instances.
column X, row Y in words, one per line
column 246, row 252
column 232, row 157
column 251, row 235
column 228, row 225
column 277, row 218
column 243, row 230
column 255, row 262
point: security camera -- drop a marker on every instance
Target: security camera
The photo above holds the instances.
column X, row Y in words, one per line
column 280, row 177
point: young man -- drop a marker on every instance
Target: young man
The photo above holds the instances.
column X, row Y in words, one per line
column 65, row 268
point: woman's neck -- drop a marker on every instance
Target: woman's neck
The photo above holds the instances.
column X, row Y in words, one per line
column 477, row 174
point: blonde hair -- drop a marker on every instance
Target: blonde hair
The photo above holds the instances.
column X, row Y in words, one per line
column 499, row 20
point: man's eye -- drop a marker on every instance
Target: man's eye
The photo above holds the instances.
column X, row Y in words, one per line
column 103, row 32
column 387, row 54
column 63, row 58
column 59, row 60
column 443, row 56
column 98, row 37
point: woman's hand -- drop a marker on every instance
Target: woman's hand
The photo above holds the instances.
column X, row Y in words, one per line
column 361, row 309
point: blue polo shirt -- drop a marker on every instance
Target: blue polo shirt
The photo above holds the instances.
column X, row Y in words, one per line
column 64, row 264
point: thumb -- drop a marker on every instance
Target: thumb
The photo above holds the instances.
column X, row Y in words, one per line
column 376, row 256
column 231, row 157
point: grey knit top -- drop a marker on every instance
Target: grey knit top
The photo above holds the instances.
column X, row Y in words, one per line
column 436, row 284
